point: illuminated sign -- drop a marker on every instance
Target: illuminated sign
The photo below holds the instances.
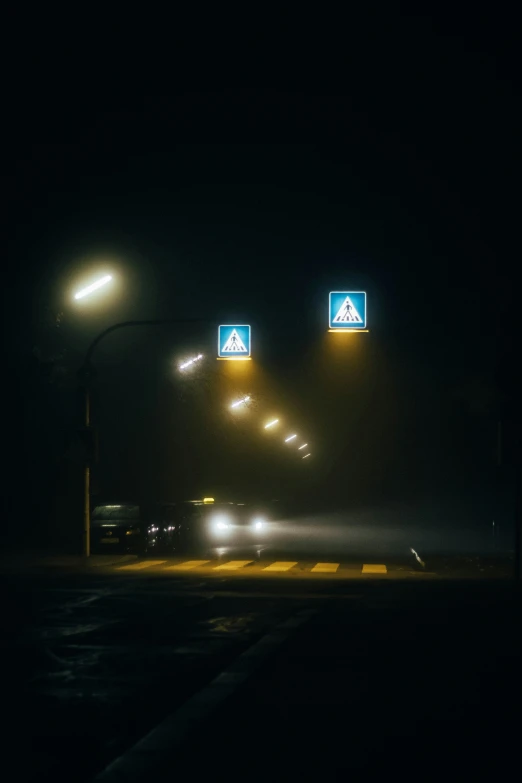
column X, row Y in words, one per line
column 234, row 342
column 347, row 311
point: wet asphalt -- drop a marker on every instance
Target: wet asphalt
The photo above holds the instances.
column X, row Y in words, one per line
column 95, row 658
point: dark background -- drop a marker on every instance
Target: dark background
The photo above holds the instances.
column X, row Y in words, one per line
column 390, row 166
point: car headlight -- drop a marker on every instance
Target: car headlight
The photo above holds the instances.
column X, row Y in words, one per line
column 221, row 525
column 258, row 524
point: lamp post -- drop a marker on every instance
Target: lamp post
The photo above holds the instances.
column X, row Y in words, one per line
column 87, row 375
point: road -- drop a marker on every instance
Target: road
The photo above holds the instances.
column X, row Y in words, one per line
column 235, row 659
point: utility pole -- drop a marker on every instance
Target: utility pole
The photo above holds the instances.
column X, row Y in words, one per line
column 518, row 505
column 87, row 481
column 86, row 376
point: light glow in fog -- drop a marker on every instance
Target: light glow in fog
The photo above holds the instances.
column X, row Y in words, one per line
column 93, row 287
column 190, row 361
column 240, row 402
column 220, row 526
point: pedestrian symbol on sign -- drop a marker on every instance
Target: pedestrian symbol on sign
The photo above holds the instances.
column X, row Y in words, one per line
column 234, row 344
column 347, row 313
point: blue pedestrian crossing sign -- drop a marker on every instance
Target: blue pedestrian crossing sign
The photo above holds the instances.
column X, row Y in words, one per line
column 234, row 341
column 348, row 310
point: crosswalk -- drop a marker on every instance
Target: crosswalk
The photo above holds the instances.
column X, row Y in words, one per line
column 281, row 565
column 328, row 568
column 255, row 566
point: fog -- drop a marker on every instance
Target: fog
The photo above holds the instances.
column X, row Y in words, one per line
column 392, row 529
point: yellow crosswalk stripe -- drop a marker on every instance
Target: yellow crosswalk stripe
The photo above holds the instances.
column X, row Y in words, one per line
column 372, row 568
column 232, row 565
column 235, row 565
column 281, row 565
column 325, row 568
column 187, row 565
column 140, row 566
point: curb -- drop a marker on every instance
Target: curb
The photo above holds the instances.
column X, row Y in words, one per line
column 64, row 563
column 143, row 760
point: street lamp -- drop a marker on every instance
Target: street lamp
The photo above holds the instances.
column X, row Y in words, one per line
column 306, row 455
column 240, row 402
column 190, row 362
column 291, row 437
column 271, row 424
column 93, row 287
column 86, row 374
column 302, row 447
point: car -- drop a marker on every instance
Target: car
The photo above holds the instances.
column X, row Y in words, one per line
column 173, row 527
column 191, row 525
column 118, row 527
column 233, row 523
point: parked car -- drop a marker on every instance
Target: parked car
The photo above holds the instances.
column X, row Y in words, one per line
column 118, row 527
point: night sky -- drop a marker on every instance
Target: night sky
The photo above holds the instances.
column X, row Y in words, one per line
column 249, row 206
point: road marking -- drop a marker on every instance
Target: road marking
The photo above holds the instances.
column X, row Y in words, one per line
column 369, row 568
column 280, row 565
column 325, row 568
column 140, row 566
column 187, row 565
column 233, row 565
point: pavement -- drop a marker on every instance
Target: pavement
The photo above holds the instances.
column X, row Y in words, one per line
column 422, row 682
column 17, row 561
column 127, row 670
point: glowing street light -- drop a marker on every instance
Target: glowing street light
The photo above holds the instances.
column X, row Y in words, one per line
column 287, row 440
column 271, row 424
column 306, row 455
column 302, row 447
column 93, row 287
column 189, row 362
column 240, row 402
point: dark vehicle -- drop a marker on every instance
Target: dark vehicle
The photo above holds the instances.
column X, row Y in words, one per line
column 119, row 527
column 193, row 524
column 174, row 527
